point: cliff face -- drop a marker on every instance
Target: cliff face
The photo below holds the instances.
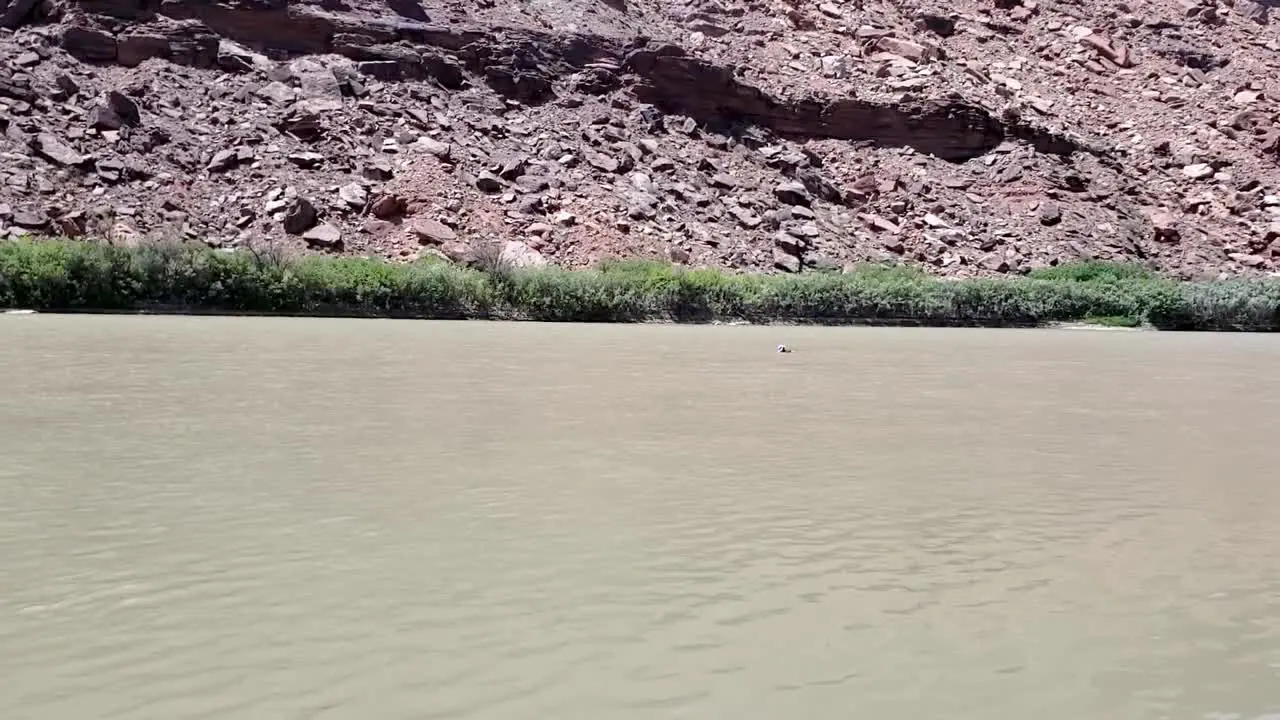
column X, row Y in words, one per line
column 743, row 133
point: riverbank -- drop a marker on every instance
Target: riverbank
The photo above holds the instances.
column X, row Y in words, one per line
column 90, row 277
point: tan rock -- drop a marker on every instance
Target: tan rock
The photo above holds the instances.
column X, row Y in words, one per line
column 1248, row 260
column 785, row 261
column 1198, row 171
column 386, row 207
column 353, row 195
column 1246, row 97
column 433, row 231
column 1166, row 227
column 913, row 51
column 1108, row 49
column 879, row 224
column 324, row 236
column 520, row 254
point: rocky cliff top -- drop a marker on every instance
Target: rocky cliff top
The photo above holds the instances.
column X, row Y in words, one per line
column 991, row 137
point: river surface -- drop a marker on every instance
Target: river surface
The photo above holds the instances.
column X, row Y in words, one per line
column 368, row 519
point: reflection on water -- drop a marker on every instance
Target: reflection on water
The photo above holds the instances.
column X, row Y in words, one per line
column 267, row 518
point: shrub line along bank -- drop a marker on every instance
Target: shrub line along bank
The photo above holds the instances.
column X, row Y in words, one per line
column 85, row 276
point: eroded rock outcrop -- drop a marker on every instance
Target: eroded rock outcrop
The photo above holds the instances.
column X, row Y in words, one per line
column 783, row 137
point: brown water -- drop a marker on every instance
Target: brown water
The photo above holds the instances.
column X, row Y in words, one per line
column 281, row 518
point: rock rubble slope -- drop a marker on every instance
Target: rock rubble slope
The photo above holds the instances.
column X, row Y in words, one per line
column 986, row 137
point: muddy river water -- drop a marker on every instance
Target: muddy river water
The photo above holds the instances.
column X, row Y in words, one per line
column 304, row 518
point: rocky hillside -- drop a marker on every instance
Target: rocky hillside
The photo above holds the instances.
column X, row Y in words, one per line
column 983, row 137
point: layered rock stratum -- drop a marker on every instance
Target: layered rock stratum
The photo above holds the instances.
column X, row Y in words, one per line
column 975, row 138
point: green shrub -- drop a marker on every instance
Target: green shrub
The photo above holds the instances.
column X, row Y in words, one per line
column 1093, row 271
column 57, row 275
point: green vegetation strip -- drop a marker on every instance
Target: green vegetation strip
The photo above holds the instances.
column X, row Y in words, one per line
column 191, row 278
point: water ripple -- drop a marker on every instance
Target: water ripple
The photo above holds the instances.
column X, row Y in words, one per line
column 593, row 528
